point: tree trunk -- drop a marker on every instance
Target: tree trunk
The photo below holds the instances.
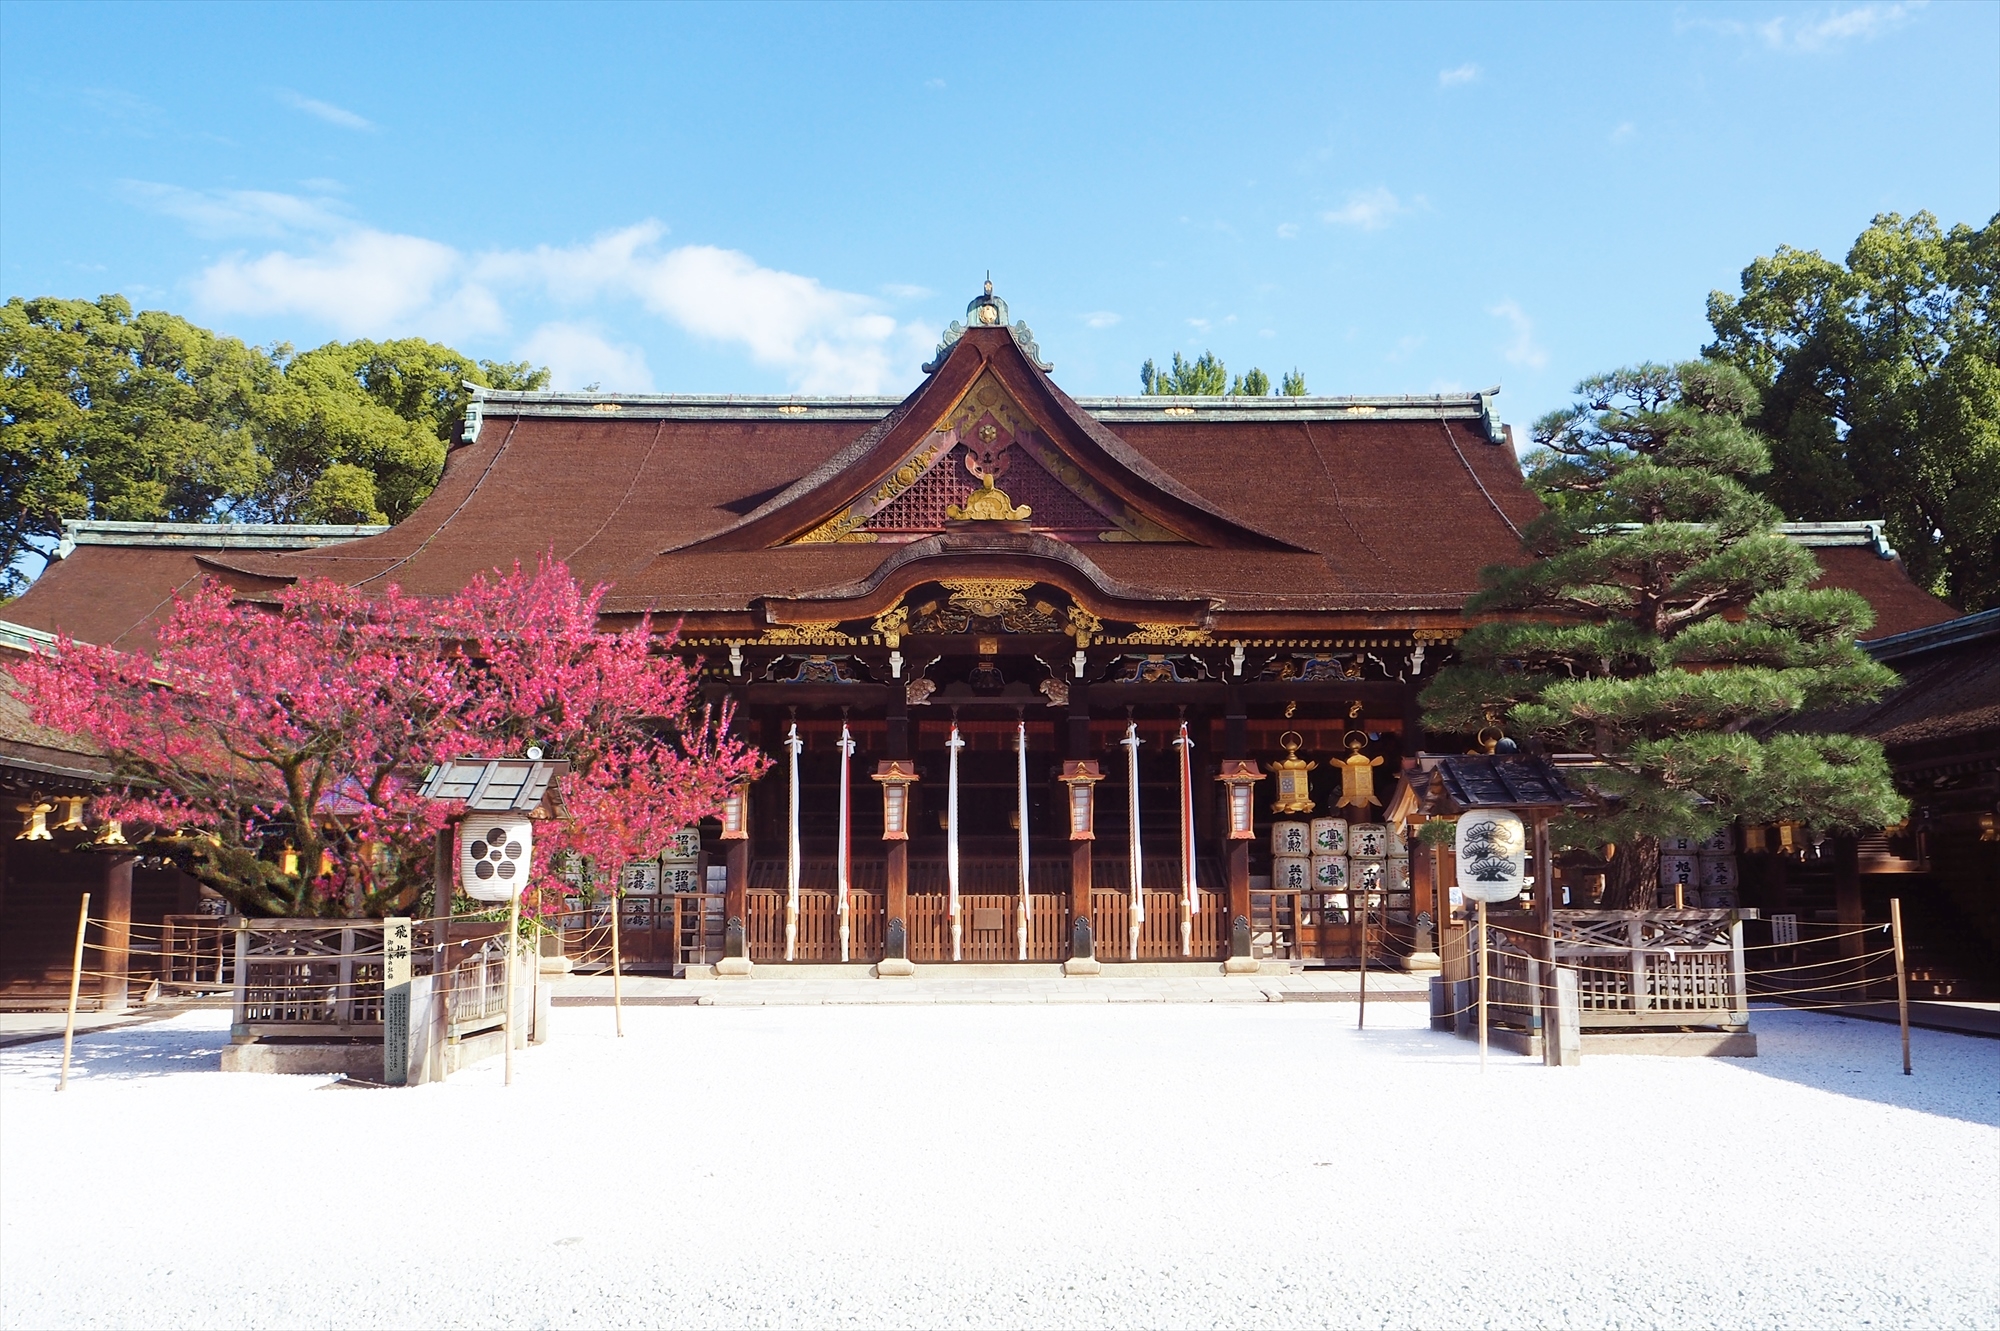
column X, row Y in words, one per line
column 1633, row 878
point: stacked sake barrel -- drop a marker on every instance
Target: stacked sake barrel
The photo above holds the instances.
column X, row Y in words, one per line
column 1331, row 857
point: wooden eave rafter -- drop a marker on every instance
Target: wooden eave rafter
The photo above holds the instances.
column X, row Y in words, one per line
column 1112, row 465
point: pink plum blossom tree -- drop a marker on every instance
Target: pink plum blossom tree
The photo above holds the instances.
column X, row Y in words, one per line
column 275, row 749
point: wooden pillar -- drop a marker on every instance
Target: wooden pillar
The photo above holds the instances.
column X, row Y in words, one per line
column 736, row 896
column 896, row 882
column 1423, row 879
column 897, row 742
column 1236, row 744
column 1847, row 905
column 113, row 903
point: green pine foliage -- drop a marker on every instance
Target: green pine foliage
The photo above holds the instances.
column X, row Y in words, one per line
column 1206, row 376
column 1662, row 625
column 1294, row 384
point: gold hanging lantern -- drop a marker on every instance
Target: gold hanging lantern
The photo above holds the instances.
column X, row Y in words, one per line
column 1294, row 793
column 1357, row 776
column 34, row 820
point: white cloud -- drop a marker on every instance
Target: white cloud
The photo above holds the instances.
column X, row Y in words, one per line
column 1623, row 131
column 236, row 212
column 1819, row 31
column 1286, row 230
column 1100, row 319
column 1521, row 348
column 367, row 282
column 904, row 291
column 1451, row 78
column 1369, row 209
column 1200, row 325
column 934, row 84
column 327, row 111
column 577, row 357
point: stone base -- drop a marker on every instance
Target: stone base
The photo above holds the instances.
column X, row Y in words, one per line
column 1423, row 961
column 894, row 968
column 1673, row 1044
column 1083, row 966
column 1242, row 966
column 733, row 967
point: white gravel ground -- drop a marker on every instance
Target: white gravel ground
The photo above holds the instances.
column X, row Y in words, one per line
column 1147, row 1165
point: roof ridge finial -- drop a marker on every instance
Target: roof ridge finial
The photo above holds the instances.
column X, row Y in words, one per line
column 989, row 281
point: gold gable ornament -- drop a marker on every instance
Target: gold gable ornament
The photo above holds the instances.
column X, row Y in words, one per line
column 1294, row 794
column 986, row 504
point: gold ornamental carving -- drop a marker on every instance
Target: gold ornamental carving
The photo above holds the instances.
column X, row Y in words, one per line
column 892, row 624
column 1168, row 635
column 989, row 598
column 1083, row 625
column 987, row 504
column 813, row 633
column 844, row 526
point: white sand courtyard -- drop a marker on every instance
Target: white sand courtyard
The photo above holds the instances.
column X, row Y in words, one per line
column 1009, row 1165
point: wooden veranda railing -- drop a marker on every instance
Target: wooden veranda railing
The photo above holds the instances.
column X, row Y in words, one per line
column 1634, row 968
column 667, row 931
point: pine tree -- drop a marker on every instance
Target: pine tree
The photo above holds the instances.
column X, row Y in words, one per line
column 1663, row 625
column 1294, row 384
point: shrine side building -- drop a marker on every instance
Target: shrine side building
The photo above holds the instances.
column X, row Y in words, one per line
column 989, row 558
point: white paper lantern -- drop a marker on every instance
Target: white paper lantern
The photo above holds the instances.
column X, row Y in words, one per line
column 1329, row 836
column 494, row 851
column 1491, row 863
column 1291, row 838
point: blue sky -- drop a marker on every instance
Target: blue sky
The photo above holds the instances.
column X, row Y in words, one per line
column 770, row 198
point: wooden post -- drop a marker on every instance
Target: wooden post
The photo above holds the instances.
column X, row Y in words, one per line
column 1079, row 885
column 1361, row 1019
column 75, row 983
column 1847, row 903
column 444, row 895
column 1545, row 995
column 115, row 930
column 239, row 1021
column 1239, row 881
column 896, row 882
column 736, row 898
column 617, row 962
column 1902, row 978
column 1485, row 968
column 507, row 1027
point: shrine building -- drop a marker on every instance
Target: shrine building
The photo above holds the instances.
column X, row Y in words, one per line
column 1009, row 602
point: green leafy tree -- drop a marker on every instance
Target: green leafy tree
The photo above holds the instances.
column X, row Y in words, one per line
column 357, row 431
column 111, row 415
column 1294, row 384
column 107, row 414
column 1254, row 384
column 1880, row 379
column 1661, row 624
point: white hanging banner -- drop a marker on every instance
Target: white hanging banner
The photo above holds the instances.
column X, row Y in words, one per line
column 1189, row 897
column 954, row 744
column 1021, row 923
column 842, row 852
column 793, row 743
column 1136, row 912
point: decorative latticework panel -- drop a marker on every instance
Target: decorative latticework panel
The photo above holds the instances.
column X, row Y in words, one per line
column 1052, row 506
